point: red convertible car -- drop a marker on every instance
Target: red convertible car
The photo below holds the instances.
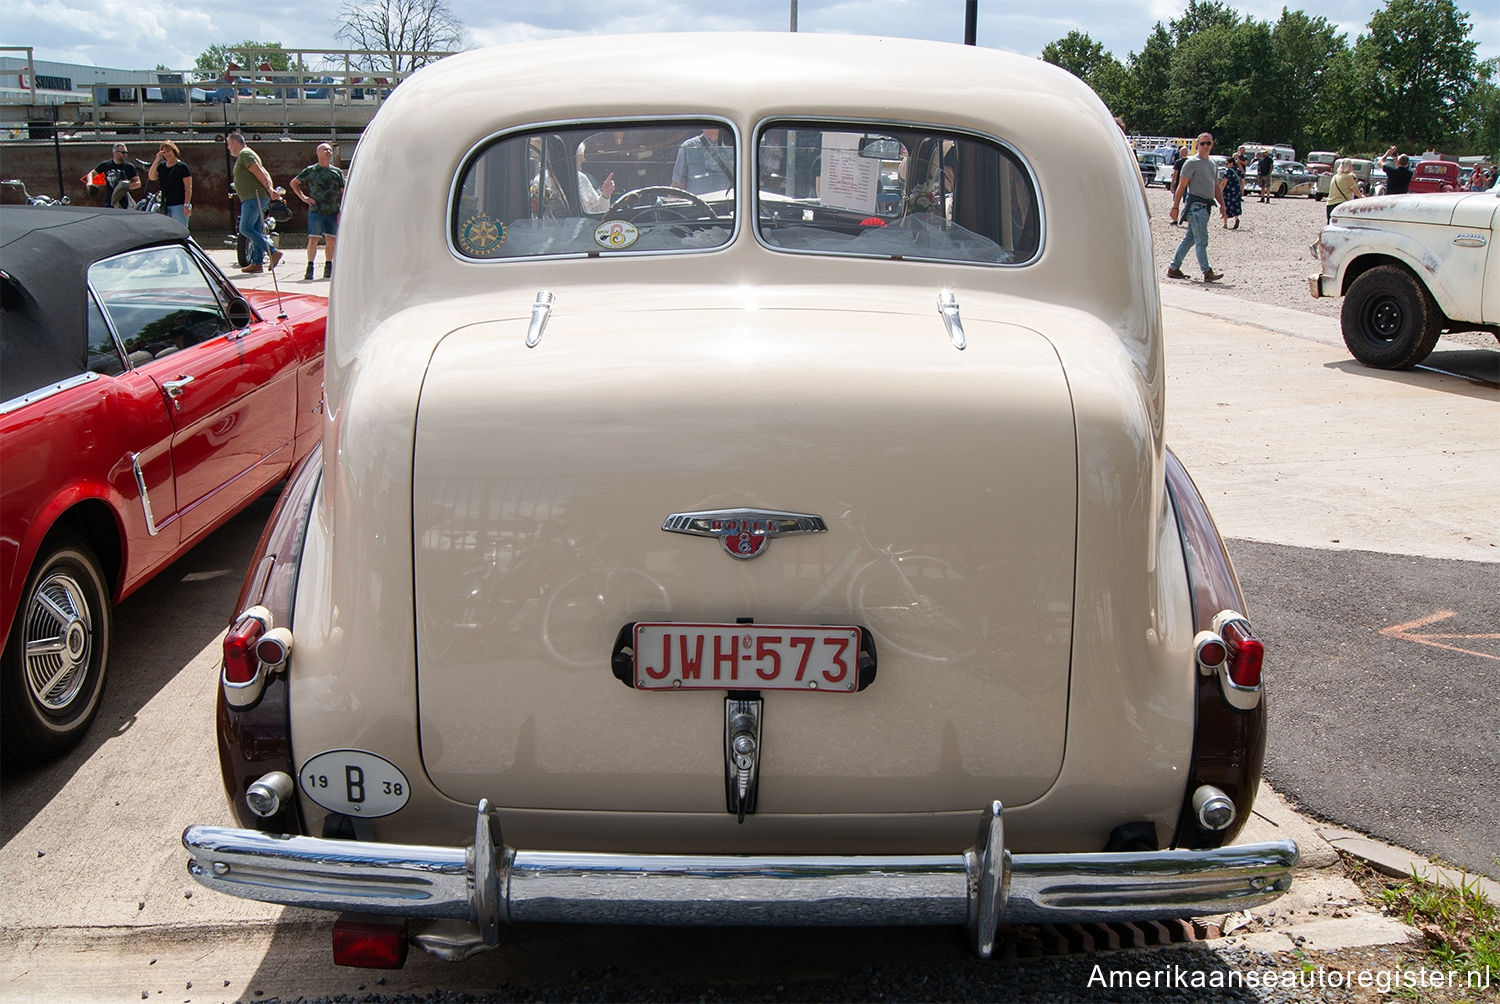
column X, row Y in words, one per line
column 144, row 400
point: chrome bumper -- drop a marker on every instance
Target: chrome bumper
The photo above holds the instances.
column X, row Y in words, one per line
column 488, row 884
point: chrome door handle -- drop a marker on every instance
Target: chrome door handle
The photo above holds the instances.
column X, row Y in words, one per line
column 174, row 389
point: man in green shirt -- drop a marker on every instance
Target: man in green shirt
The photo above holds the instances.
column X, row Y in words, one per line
column 323, row 194
column 254, row 187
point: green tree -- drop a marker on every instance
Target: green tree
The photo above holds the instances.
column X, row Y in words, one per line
column 247, row 55
column 1302, row 48
column 1422, row 72
column 1203, row 15
column 1483, row 126
column 1113, row 84
column 1150, row 75
column 1086, row 59
column 1077, row 53
column 1341, row 119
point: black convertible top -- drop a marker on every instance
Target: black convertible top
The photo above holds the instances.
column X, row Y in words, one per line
column 45, row 254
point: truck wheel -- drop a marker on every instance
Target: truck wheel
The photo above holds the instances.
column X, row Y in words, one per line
column 52, row 674
column 1389, row 319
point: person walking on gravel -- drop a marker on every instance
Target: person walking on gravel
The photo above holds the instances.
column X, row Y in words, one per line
column 1202, row 187
column 1263, row 170
column 1343, row 188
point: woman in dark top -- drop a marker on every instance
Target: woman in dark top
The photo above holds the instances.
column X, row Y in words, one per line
column 176, row 182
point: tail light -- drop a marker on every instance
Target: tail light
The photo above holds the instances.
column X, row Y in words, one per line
column 1231, row 652
column 241, row 663
column 253, row 650
column 369, row 942
column 1245, row 653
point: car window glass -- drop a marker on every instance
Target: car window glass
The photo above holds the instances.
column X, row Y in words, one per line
column 104, row 356
column 893, row 192
column 158, row 300
column 598, row 190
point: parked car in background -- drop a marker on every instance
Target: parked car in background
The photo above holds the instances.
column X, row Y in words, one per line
column 1155, row 170
column 1409, row 268
column 733, row 554
column 1361, row 168
column 1287, row 178
column 144, row 400
column 1435, row 176
column 1321, row 161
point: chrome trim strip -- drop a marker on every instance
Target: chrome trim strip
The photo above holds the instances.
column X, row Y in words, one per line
column 775, row 523
column 488, row 883
column 140, row 482
column 42, row 393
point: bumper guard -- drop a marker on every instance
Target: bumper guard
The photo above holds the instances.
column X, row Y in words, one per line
column 488, row 884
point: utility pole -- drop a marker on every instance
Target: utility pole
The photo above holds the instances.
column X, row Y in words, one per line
column 971, row 20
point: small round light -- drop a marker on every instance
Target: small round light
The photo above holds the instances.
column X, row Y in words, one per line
column 266, row 795
column 1214, row 809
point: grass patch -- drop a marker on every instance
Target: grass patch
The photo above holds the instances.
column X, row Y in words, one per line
column 1460, row 926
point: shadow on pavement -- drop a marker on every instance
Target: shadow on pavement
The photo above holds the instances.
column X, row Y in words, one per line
column 1473, row 373
column 157, row 632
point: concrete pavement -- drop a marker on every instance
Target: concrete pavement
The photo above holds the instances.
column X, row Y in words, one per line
column 1293, row 442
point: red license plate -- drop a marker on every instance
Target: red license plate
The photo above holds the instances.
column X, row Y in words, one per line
column 746, row 657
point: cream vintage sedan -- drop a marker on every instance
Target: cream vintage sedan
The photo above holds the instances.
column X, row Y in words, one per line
column 742, row 500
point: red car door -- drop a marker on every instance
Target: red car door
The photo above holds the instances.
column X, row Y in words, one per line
column 231, row 391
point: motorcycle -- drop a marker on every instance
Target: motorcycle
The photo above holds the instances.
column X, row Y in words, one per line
column 277, row 211
column 34, row 200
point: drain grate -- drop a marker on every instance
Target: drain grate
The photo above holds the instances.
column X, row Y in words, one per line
column 1026, row 941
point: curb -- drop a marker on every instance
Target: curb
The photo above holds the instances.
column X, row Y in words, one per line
column 1398, row 862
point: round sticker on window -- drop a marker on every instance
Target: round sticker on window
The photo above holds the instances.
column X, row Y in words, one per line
column 481, row 236
column 355, row 783
column 613, row 235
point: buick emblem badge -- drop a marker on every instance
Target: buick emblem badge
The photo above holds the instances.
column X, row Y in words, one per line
column 744, row 533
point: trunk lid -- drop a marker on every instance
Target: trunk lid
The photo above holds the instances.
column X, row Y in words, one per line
column 541, row 481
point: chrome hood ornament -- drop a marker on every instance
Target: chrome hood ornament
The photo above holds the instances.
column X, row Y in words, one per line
column 743, row 532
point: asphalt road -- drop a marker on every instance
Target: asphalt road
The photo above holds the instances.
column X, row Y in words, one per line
column 1382, row 672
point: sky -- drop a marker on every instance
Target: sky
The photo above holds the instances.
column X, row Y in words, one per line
column 131, row 35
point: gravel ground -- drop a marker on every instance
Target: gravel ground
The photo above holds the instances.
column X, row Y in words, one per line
column 1266, row 260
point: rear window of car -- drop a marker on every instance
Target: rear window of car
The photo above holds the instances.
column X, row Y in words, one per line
column 896, row 192
column 593, row 190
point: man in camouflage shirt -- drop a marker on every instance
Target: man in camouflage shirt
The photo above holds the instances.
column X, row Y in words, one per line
column 321, row 187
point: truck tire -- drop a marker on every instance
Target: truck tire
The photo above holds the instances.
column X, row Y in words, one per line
column 1389, row 319
column 52, row 674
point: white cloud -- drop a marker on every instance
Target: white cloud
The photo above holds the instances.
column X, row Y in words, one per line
column 126, row 34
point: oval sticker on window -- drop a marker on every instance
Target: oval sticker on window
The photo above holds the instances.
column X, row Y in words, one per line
column 355, row 783
column 613, row 235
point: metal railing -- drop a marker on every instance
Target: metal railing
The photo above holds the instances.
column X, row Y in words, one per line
column 320, row 87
